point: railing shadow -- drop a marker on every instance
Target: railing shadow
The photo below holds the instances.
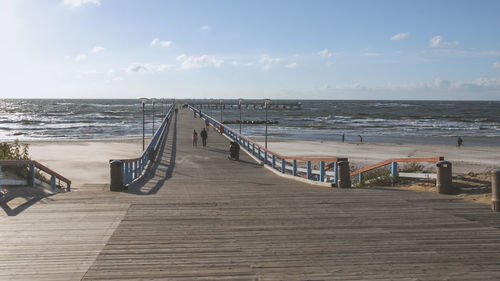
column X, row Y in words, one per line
column 30, row 196
column 163, row 167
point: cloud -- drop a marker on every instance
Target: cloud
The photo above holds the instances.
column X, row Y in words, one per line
column 98, row 49
column 192, row 62
column 157, row 42
column 440, row 83
column 437, row 41
column 292, row 65
column 267, row 61
column 496, row 64
column 81, row 57
column 146, row 67
column 205, row 27
column 80, row 3
column 490, row 53
column 369, row 54
column 325, row 54
column 400, row 36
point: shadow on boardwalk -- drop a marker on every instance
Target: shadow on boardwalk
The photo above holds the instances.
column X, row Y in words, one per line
column 163, row 166
column 16, row 199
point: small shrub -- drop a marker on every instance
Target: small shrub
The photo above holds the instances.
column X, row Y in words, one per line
column 412, row 167
column 378, row 177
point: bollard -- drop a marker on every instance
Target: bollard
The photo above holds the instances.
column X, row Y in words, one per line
column 344, row 180
column 443, row 177
column 116, row 173
column 495, row 190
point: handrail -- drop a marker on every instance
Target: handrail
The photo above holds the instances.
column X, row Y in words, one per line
column 389, row 161
column 133, row 168
column 274, row 159
column 35, row 164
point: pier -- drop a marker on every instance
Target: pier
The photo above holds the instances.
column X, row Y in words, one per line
column 195, row 215
column 250, row 104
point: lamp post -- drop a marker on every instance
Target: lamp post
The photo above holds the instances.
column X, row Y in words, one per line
column 239, row 106
column 153, row 100
column 143, row 102
column 266, row 104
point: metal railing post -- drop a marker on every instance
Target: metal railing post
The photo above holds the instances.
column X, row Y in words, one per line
column 53, row 182
column 32, row 175
column 394, row 172
column 336, row 173
column 322, row 171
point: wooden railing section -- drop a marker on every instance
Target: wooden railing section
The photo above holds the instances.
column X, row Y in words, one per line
column 33, row 165
column 308, row 168
column 133, row 169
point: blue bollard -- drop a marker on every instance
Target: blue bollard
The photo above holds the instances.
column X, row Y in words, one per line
column 294, row 167
column 283, row 168
column 360, row 178
column 309, row 172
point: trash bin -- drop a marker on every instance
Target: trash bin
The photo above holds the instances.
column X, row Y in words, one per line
column 116, row 171
column 234, row 151
column 443, row 177
column 344, row 177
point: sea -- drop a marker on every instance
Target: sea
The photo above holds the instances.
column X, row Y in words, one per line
column 424, row 122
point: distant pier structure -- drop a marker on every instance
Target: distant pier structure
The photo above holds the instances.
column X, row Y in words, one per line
column 228, row 104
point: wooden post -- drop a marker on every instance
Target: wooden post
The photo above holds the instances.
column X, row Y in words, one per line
column 322, row 171
column 274, row 161
column 495, row 190
column 294, row 167
column 258, row 153
column 265, row 157
column 360, row 178
column 309, row 172
column 283, row 163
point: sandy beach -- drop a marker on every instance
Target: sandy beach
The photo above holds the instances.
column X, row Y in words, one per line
column 476, row 159
column 84, row 161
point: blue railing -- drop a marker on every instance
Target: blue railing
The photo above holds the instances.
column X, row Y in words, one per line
column 133, row 169
column 317, row 169
column 33, row 167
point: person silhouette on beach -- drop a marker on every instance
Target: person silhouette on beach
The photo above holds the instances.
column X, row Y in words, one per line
column 360, row 139
column 460, row 142
column 195, row 138
column 204, row 137
column 343, row 137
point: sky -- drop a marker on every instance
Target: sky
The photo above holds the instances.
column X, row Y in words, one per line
column 404, row 50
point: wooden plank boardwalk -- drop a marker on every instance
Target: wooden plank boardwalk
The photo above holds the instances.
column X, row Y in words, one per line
column 203, row 217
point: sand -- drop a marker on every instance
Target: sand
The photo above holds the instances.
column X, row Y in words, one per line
column 476, row 159
column 84, row 161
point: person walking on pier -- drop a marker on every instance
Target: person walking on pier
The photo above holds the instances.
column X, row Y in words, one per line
column 204, row 137
column 195, row 138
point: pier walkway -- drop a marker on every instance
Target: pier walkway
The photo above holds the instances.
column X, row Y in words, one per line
column 201, row 216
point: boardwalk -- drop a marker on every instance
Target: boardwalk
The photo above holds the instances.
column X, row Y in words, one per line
column 203, row 217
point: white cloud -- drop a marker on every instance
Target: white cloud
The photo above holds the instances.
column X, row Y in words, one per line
column 205, row 27
column 440, row 83
column 400, row 36
column 267, row 61
column 192, row 62
column 157, row 42
column 146, row 67
column 80, row 3
column 98, row 49
column 490, row 53
column 325, row 54
column 369, row 54
column 496, row 64
column 292, row 65
column 437, row 41
column 81, row 57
